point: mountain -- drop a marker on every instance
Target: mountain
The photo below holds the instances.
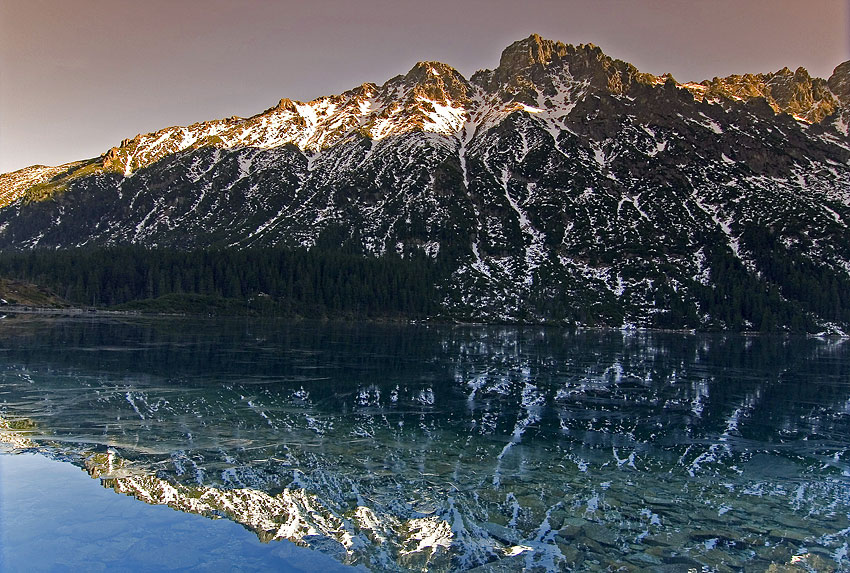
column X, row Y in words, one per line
column 562, row 186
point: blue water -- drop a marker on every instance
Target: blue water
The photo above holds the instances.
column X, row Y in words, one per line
column 54, row 518
column 427, row 448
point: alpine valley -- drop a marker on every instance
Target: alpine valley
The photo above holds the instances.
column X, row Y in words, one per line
column 562, row 187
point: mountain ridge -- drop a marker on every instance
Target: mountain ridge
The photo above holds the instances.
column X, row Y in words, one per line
column 807, row 99
column 564, row 185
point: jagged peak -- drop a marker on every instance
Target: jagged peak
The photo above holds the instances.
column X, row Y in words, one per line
column 801, row 74
column 538, row 51
column 425, row 70
column 794, row 92
column 285, row 104
column 839, row 82
column 365, row 90
column 535, row 66
column 529, row 51
column 525, row 67
column 530, row 71
column 434, row 81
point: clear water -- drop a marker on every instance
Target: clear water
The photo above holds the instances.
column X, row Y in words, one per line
column 53, row 518
column 440, row 448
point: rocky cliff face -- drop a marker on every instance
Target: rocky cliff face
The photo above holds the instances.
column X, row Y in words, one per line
column 807, row 99
column 561, row 180
column 839, row 82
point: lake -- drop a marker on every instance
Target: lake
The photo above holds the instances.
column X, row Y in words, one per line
column 308, row 446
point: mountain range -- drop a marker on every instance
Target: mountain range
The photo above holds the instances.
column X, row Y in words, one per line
column 564, row 186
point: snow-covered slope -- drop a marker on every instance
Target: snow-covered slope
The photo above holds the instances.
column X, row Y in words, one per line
column 14, row 185
column 562, row 179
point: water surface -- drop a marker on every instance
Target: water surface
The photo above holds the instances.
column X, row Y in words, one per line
column 440, row 448
column 52, row 519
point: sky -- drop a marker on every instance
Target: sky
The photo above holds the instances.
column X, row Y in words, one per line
column 78, row 76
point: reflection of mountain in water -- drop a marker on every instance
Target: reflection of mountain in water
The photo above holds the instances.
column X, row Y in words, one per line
column 401, row 447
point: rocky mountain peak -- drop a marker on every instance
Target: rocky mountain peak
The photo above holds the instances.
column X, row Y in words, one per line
column 285, row 104
column 802, row 75
column 435, row 81
column 796, row 93
column 528, row 52
column 839, row 82
column 535, row 67
column 799, row 94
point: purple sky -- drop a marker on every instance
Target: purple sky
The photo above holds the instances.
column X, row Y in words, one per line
column 78, row 76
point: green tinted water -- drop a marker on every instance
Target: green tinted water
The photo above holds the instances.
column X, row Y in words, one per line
column 439, row 448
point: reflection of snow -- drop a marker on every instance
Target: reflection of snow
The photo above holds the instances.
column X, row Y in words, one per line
column 521, row 436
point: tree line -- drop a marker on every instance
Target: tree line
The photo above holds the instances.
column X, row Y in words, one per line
column 317, row 282
column 789, row 292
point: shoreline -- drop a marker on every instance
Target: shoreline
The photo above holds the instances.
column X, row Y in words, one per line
column 75, row 312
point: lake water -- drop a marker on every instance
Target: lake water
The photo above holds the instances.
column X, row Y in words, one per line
column 421, row 447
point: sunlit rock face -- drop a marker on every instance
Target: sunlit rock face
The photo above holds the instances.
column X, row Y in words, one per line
column 406, row 448
column 562, row 179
